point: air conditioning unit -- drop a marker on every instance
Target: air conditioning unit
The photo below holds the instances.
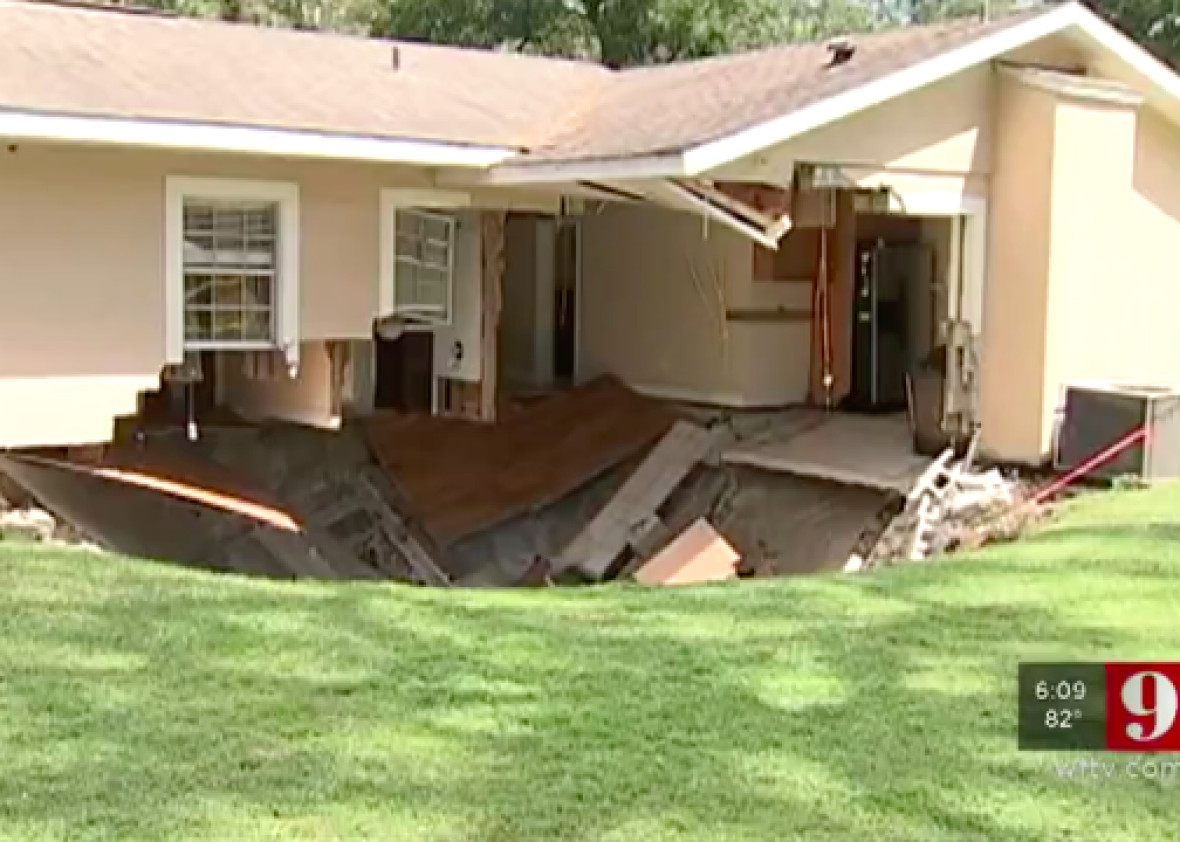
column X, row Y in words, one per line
column 1096, row 416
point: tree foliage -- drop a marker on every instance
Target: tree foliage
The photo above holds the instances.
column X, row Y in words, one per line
column 629, row 32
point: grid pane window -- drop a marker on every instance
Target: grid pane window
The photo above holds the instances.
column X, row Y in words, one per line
column 230, row 272
column 424, row 249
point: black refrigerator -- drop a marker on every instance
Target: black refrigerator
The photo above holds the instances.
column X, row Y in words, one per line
column 887, row 277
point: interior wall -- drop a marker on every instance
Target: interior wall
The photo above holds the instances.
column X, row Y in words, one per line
column 656, row 286
column 518, row 320
column 308, row 398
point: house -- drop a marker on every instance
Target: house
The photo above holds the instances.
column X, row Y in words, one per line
column 306, row 225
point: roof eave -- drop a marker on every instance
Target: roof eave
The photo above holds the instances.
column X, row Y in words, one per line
column 705, row 158
column 31, row 125
column 710, row 156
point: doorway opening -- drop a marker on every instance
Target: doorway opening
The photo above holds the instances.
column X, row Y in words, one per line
column 539, row 328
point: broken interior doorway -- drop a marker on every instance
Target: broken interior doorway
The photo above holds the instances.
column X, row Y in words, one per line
column 539, row 322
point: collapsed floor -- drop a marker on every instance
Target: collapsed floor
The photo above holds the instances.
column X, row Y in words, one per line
column 593, row 483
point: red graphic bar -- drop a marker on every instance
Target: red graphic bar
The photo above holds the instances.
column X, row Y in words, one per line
column 1143, row 706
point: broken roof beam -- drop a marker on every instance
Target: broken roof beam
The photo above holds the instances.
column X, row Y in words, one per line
column 704, row 197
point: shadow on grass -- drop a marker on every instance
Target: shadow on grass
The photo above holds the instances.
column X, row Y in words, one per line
column 150, row 705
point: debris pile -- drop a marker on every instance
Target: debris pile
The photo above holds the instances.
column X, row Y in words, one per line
column 953, row 506
column 630, row 520
column 591, row 484
column 23, row 519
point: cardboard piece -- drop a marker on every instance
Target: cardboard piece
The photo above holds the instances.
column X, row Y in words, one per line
column 698, row 554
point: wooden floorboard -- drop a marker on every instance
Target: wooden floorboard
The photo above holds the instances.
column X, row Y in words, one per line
column 463, row 476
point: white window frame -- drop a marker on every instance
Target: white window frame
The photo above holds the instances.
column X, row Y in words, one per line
column 285, row 295
column 427, row 202
column 416, row 314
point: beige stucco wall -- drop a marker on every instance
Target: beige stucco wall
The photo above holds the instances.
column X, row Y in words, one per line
column 1086, row 209
column 1113, row 295
column 1012, row 351
column 82, row 273
column 944, row 128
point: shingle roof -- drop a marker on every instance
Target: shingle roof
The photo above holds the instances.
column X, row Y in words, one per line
column 100, row 62
column 678, row 106
column 95, row 62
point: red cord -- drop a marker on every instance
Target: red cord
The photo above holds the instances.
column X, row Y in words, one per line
column 1101, row 457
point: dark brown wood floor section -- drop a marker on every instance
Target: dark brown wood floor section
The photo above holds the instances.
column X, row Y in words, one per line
column 464, row 476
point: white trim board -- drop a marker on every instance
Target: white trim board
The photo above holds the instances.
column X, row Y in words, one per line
column 257, row 141
column 286, row 195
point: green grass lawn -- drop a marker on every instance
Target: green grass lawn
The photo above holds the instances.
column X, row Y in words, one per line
column 142, row 702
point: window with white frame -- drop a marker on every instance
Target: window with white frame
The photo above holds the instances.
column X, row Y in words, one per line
column 232, row 256
column 424, row 264
column 230, row 272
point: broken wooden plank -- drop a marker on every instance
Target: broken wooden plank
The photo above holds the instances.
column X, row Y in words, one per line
column 492, row 242
column 297, row 553
column 400, row 529
column 926, row 482
column 597, row 547
column 347, row 514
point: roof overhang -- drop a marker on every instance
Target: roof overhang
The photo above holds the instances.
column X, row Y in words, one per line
column 708, row 157
column 29, row 125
